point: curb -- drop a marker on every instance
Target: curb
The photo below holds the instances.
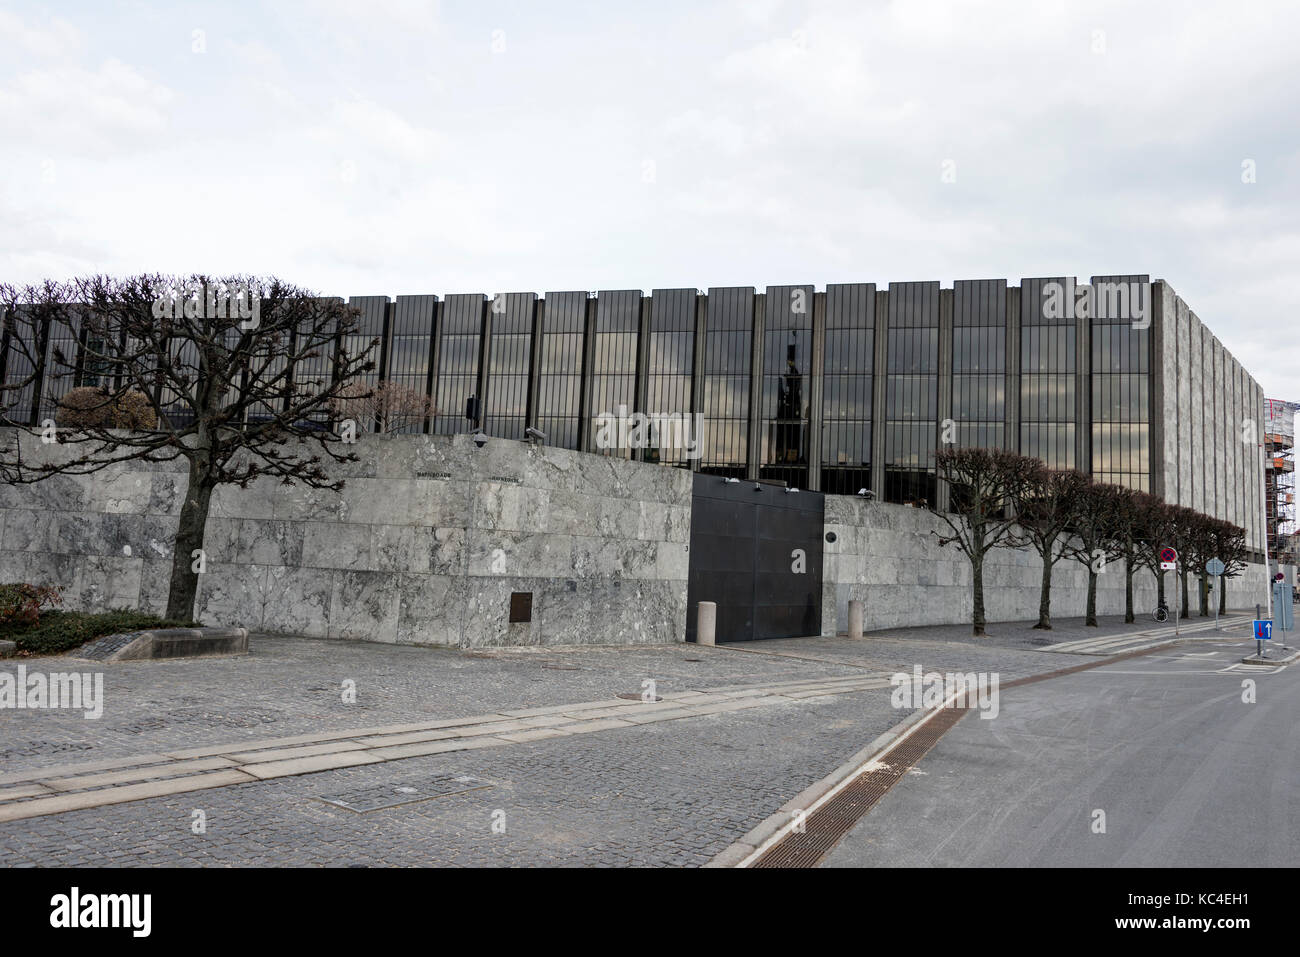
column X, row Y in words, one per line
column 747, row 846
column 1279, row 662
column 741, row 851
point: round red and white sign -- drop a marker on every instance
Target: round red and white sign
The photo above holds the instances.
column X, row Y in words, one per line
column 1168, row 555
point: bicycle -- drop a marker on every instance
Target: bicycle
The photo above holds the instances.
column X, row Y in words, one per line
column 1161, row 613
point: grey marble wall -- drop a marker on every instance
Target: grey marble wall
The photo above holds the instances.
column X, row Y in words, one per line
column 1208, row 461
column 425, row 544
column 888, row 556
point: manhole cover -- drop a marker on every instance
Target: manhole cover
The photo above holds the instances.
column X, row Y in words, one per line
column 637, row 696
column 30, row 748
column 379, row 796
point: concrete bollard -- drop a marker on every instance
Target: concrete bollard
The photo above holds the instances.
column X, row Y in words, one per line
column 855, row 619
column 706, row 622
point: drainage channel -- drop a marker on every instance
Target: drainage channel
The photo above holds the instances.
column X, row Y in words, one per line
column 830, row 822
column 826, row 826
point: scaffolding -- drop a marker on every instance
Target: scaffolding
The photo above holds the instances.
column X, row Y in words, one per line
column 1279, row 479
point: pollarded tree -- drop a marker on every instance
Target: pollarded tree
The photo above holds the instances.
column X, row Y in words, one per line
column 1200, row 549
column 1157, row 522
column 1184, row 533
column 1045, row 507
column 1133, row 516
column 1229, row 546
column 984, row 483
column 1100, row 537
column 240, row 371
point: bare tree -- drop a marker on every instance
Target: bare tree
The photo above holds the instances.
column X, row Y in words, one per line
column 984, row 483
column 1200, row 549
column 1099, row 539
column 241, row 372
column 1229, row 546
column 1138, row 517
column 389, row 406
column 1045, row 507
column 1184, row 532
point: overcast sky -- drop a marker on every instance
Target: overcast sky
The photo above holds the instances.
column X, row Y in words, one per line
column 392, row 147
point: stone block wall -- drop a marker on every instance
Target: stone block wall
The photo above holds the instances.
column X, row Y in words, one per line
column 888, row 556
column 425, row 544
column 432, row 535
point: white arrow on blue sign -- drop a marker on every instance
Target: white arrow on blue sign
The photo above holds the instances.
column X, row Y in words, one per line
column 1263, row 629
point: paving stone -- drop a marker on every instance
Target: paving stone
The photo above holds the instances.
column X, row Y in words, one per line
column 175, row 769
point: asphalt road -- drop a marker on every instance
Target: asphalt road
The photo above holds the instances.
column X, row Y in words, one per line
column 1186, row 773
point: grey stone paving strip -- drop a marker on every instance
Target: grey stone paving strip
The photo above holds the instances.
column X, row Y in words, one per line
column 110, row 782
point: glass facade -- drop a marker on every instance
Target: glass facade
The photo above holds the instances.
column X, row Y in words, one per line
column 18, row 362
column 847, row 384
column 460, row 336
column 371, row 324
column 559, row 391
column 509, row 364
column 911, row 392
column 1074, row 392
column 62, row 353
column 1048, row 367
column 979, row 363
column 409, row 358
column 786, row 386
column 1121, row 403
column 728, row 358
column 670, row 372
column 614, row 360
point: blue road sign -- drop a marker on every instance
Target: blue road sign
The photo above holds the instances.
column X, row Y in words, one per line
column 1263, row 629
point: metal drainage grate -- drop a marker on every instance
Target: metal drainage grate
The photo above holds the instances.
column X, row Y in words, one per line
column 824, row 828
column 102, row 648
column 379, row 796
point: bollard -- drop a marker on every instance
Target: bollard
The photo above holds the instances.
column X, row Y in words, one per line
column 855, row 619
column 706, row 621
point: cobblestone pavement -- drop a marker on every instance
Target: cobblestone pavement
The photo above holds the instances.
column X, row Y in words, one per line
column 672, row 793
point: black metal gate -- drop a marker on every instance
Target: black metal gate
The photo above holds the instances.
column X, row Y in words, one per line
column 756, row 550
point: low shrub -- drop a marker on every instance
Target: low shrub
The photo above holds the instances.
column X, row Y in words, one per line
column 59, row 631
column 92, row 407
column 22, row 603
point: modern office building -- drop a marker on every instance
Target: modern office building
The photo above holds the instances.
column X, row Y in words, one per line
column 849, row 388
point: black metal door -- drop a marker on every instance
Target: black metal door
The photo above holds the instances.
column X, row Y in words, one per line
column 756, row 550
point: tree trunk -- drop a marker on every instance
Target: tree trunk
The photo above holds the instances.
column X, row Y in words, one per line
column 1204, row 589
column 1045, row 595
column 1091, row 618
column 1128, row 591
column 1223, row 595
column 977, row 594
column 189, row 539
column 1184, row 612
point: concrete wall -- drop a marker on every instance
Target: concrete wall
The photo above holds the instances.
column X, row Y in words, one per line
column 889, row 557
column 1207, row 405
column 424, row 545
column 431, row 535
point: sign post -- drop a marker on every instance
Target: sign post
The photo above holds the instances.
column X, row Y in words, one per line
column 1263, row 633
column 1169, row 561
column 1215, row 568
column 1283, row 613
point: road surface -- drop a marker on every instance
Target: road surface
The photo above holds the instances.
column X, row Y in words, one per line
column 1185, row 772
